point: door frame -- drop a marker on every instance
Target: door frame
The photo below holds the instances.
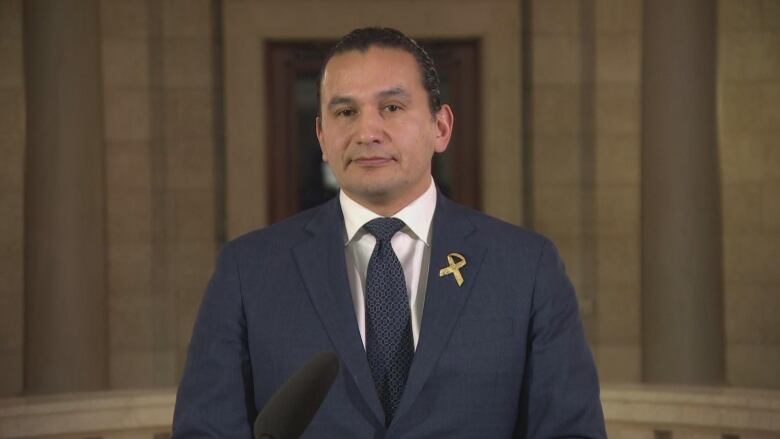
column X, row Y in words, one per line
column 248, row 25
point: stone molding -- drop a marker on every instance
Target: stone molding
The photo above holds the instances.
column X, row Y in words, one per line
column 125, row 414
column 630, row 410
column 725, row 410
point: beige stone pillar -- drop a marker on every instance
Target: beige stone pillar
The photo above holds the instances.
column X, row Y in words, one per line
column 682, row 311
column 65, row 294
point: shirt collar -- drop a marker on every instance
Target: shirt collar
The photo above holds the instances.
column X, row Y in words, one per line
column 417, row 215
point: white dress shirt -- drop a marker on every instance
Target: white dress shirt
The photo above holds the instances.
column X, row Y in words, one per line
column 412, row 245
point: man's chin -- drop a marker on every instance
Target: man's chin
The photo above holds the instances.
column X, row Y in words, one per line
column 377, row 193
column 374, row 192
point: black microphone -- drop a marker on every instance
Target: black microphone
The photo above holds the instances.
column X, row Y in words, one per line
column 292, row 407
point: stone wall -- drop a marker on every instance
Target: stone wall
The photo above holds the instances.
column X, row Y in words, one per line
column 161, row 80
column 749, row 132
column 584, row 128
column 584, row 132
column 617, row 58
column 12, row 141
column 160, row 107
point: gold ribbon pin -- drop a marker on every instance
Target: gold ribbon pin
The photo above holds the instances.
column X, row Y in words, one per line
column 456, row 261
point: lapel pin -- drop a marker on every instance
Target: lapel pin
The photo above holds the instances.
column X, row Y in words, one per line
column 456, row 261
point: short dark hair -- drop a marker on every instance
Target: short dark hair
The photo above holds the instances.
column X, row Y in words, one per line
column 364, row 38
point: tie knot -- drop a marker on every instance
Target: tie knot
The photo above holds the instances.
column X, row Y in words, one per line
column 383, row 228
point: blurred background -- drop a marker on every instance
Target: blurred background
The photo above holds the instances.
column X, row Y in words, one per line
column 137, row 136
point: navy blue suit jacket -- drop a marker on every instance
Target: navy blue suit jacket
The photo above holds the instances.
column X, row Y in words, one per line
column 501, row 356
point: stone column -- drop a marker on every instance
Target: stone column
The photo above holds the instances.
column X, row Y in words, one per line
column 65, row 286
column 682, row 311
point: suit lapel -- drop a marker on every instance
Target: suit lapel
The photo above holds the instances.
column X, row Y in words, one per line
column 444, row 299
column 322, row 258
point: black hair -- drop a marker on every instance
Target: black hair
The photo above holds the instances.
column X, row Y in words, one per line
column 364, row 38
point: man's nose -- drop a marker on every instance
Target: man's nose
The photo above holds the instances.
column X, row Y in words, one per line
column 369, row 128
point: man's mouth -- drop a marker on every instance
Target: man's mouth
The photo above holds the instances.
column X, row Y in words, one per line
column 372, row 161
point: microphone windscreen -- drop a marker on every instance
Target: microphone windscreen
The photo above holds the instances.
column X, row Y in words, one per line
column 292, row 407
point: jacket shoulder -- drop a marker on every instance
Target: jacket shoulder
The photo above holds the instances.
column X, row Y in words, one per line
column 277, row 237
column 499, row 233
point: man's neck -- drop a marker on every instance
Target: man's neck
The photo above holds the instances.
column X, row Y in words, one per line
column 417, row 215
column 388, row 206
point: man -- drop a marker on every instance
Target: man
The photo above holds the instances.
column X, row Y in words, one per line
column 447, row 323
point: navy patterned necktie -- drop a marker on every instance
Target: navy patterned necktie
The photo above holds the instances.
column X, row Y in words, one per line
column 389, row 344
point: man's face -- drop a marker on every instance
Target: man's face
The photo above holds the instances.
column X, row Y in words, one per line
column 376, row 130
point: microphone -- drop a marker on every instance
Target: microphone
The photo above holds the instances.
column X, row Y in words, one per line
column 292, row 407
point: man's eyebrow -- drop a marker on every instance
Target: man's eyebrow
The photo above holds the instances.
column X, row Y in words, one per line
column 390, row 92
column 394, row 92
column 339, row 100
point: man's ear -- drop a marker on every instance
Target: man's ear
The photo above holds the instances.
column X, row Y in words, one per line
column 318, row 130
column 444, row 121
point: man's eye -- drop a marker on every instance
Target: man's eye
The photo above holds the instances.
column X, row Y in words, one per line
column 346, row 112
column 392, row 108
